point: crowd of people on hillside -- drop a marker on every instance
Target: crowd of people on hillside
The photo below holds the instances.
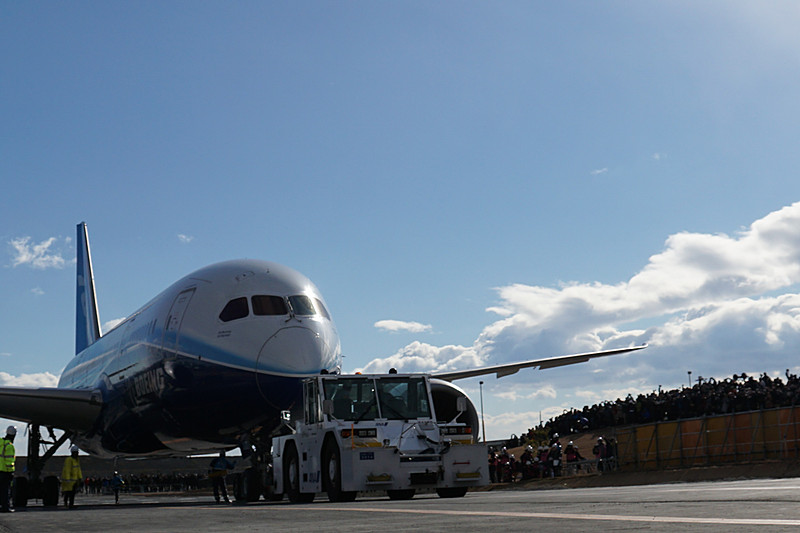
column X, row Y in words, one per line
column 706, row 397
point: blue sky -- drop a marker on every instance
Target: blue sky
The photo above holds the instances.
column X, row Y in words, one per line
column 502, row 180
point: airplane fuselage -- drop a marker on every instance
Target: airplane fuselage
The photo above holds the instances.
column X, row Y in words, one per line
column 217, row 354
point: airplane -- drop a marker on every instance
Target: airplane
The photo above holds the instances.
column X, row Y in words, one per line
column 213, row 362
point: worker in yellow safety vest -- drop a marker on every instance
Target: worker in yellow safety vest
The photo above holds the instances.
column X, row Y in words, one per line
column 7, row 458
column 71, row 477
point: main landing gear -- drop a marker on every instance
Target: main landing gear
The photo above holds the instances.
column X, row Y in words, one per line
column 33, row 486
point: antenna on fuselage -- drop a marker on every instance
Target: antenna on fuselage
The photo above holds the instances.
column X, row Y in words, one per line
column 87, row 317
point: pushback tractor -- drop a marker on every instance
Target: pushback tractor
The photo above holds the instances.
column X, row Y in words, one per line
column 376, row 433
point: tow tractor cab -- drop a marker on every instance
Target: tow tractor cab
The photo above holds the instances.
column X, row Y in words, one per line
column 377, row 432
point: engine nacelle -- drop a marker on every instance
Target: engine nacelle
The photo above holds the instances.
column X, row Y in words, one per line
column 445, row 403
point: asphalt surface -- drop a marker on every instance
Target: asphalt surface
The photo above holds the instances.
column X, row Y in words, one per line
column 731, row 506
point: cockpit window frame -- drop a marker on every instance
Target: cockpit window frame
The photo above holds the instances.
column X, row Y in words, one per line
column 301, row 305
column 235, row 313
column 295, row 301
column 257, row 305
column 321, row 309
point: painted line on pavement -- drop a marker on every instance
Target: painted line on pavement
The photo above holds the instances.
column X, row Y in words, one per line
column 566, row 516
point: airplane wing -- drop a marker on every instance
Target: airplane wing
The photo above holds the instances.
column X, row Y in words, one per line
column 69, row 409
column 548, row 362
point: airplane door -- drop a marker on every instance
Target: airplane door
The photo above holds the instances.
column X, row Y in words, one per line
column 174, row 320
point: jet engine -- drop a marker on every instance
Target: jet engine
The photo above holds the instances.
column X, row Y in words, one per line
column 445, row 403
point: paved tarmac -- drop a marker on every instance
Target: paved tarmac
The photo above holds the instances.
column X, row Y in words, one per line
column 732, row 506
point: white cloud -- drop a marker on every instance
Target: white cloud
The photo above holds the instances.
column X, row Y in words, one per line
column 399, row 325
column 44, row 379
column 422, row 357
column 517, row 422
column 515, row 394
column 39, row 255
column 37, row 291
column 594, row 396
column 599, row 171
column 111, row 324
column 186, row 239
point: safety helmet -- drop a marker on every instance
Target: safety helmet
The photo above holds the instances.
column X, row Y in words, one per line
column 74, row 449
column 12, row 430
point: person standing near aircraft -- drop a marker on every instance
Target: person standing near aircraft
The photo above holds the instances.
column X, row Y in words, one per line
column 71, row 475
column 7, row 459
column 116, row 484
column 219, row 469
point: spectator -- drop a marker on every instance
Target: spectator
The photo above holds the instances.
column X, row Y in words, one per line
column 706, row 397
column 493, row 462
column 600, row 453
column 572, row 456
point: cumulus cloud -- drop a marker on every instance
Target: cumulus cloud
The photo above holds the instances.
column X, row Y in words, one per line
column 186, row 239
column 598, row 171
column 399, row 325
column 717, row 304
column 422, row 357
column 44, row 379
column 37, row 255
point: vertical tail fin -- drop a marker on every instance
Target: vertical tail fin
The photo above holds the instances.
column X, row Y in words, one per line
column 87, row 319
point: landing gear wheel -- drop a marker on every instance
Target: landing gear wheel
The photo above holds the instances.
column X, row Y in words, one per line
column 20, row 492
column 452, row 492
column 268, row 485
column 271, row 496
column 246, row 486
column 291, row 478
column 332, row 475
column 50, row 487
column 403, row 494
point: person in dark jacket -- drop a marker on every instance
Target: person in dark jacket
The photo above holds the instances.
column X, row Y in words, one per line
column 219, row 469
column 116, row 485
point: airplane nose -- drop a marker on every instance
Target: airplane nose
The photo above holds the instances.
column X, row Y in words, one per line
column 293, row 350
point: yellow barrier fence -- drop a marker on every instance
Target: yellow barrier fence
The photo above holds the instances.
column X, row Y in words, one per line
column 719, row 439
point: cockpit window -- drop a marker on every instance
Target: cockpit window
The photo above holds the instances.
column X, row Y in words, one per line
column 322, row 310
column 235, row 309
column 302, row 305
column 269, row 305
